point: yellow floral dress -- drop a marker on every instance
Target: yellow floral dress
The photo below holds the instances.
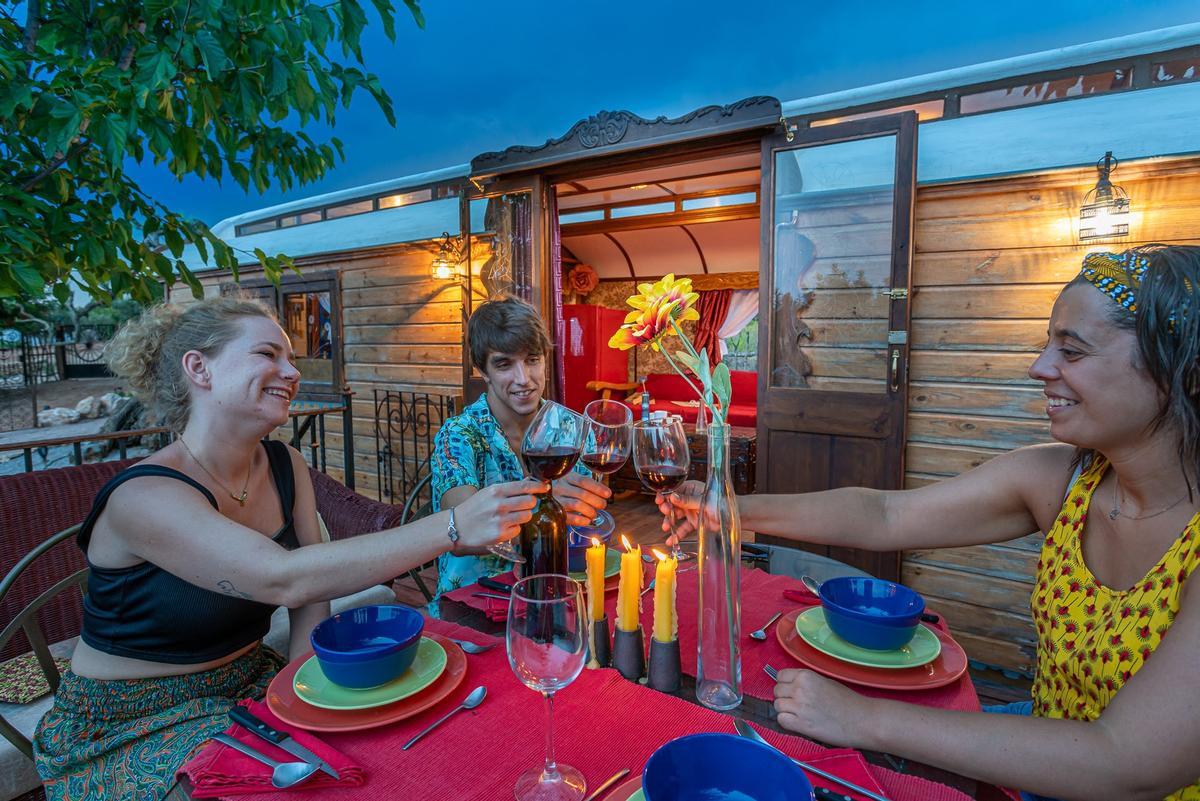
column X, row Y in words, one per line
column 1092, row 639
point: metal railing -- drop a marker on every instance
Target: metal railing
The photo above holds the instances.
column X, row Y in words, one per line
column 307, row 422
column 405, row 424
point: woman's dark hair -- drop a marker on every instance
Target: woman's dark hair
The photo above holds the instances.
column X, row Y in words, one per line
column 506, row 325
column 1167, row 327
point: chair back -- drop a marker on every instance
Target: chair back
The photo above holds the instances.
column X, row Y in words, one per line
column 26, row 620
column 32, row 507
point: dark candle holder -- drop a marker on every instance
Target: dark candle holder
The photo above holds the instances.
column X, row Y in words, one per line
column 665, row 670
column 601, row 655
column 629, row 653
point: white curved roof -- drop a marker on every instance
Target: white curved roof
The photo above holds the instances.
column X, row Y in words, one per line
column 1140, row 123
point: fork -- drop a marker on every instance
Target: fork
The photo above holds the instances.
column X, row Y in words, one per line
column 772, row 672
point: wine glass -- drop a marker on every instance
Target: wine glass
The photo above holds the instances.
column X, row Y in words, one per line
column 546, row 641
column 549, row 449
column 606, row 440
column 661, row 459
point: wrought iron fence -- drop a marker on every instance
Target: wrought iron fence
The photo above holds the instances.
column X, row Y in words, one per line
column 81, row 351
column 405, row 424
column 26, row 360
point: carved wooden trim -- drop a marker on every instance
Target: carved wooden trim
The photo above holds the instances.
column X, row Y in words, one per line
column 615, row 131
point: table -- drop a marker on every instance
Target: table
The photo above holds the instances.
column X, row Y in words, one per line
column 596, row 691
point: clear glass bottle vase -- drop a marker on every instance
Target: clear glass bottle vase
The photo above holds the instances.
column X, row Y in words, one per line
column 719, row 658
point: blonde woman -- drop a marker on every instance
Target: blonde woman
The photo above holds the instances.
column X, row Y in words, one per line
column 191, row 550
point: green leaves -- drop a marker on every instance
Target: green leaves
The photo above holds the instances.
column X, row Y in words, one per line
column 722, row 387
column 211, row 53
column 204, row 87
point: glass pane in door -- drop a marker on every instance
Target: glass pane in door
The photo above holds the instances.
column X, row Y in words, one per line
column 832, row 265
column 501, row 247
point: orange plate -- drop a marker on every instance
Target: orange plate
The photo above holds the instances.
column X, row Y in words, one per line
column 282, row 699
column 949, row 665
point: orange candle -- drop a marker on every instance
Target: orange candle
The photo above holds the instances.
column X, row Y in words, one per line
column 666, row 626
column 595, row 579
column 629, row 591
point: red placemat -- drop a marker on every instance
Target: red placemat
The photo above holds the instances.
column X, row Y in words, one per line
column 602, row 723
column 762, row 597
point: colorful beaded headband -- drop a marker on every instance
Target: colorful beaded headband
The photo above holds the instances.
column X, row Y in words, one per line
column 1118, row 275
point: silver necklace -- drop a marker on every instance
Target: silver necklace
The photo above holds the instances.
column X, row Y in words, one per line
column 1116, row 512
column 241, row 499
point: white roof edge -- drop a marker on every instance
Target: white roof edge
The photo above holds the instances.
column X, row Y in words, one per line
column 1135, row 44
column 229, row 224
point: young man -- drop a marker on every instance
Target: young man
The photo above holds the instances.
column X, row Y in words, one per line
column 482, row 446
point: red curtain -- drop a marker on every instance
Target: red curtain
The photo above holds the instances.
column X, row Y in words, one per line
column 712, row 306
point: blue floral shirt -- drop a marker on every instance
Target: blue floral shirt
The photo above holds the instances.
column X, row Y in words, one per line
column 470, row 450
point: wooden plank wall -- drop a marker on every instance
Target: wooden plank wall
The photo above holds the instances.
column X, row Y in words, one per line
column 401, row 330
column 990, row 259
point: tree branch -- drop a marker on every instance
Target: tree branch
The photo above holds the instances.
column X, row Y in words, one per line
column 33, row 23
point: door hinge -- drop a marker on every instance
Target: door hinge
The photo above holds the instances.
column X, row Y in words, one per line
column 898, row 294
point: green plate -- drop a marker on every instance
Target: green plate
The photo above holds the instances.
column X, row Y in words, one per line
column 313, row 688
column 612, row 565
column 638, row 795
column 812, row 628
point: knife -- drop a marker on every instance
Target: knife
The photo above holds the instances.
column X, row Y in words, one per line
column 495, row 595
column 493, row 584
column 255, row 725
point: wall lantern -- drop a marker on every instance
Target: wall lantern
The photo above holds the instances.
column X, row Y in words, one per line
column 1105, row 209
column 449, row 256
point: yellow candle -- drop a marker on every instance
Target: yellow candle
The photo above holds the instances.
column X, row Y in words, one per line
column 666, row 626
column 595, row 579
column 629, row 591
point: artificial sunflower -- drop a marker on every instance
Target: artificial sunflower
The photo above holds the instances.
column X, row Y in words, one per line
column 655, row 308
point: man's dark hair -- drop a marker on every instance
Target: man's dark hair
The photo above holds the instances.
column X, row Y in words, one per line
column 505, row 325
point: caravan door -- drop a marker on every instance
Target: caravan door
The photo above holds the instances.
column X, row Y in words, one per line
column 507, row 250
column 833, row 331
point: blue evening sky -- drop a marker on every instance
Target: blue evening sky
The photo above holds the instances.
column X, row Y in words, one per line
column 486, row 75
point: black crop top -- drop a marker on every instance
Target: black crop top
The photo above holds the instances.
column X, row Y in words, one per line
column 144, row 612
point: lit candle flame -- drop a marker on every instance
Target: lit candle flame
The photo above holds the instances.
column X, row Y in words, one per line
column 625, row 542
column 595, row 541
column 662, row 557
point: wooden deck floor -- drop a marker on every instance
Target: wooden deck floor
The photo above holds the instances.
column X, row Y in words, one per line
column 638, row 514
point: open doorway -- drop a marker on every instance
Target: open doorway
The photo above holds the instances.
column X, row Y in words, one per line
column 697, row 218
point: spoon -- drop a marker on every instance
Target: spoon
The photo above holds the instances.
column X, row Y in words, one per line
column 650, row 586
column 471, row 647
column 811, row 584
column 761, row 634
column 283, row 774
column 470, row 702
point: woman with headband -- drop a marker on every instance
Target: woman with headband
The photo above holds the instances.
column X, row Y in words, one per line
column 1114, row 711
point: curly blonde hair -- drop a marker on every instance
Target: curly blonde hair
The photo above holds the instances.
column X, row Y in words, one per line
column 148, row 350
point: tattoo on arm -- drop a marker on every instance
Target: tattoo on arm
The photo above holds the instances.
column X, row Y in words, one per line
column 227, row 587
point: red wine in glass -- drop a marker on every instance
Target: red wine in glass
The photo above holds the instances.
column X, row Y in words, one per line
column 662, row 477
column 550, row 463
column 604, row 463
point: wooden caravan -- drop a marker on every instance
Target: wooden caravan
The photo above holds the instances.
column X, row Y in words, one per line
column 891, row 254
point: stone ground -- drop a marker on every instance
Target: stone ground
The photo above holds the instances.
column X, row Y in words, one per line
column 55, row 394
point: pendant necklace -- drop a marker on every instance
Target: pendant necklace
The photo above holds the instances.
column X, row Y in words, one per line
column 241, row 499
column 1116, row 512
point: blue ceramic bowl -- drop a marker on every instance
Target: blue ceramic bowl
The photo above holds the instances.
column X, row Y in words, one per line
column 871, row 613
column 580, row 537
column 368, row 646
column 725, row 767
